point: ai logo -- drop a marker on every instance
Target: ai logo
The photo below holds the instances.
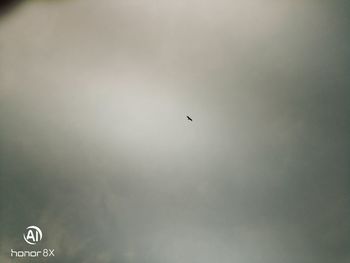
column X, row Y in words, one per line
column 32, row 235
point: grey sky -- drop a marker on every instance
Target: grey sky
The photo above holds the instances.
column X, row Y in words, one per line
column 95, row 147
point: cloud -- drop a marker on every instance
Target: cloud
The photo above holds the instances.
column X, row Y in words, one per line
column 96, row 149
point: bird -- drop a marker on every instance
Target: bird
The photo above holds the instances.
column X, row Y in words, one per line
column 189, row 118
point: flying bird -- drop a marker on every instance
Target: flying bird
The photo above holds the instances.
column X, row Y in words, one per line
column 189, row 118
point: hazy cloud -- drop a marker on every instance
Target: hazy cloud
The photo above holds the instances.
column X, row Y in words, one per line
column 95, row 147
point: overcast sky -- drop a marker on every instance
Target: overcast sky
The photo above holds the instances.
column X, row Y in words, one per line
column 95, row 148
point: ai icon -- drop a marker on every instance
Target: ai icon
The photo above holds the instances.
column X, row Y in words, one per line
column 32, row 235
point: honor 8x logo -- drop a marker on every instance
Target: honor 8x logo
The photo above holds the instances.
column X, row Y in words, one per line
column 32, row 235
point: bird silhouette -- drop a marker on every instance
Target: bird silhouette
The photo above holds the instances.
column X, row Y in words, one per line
column 189, row 118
